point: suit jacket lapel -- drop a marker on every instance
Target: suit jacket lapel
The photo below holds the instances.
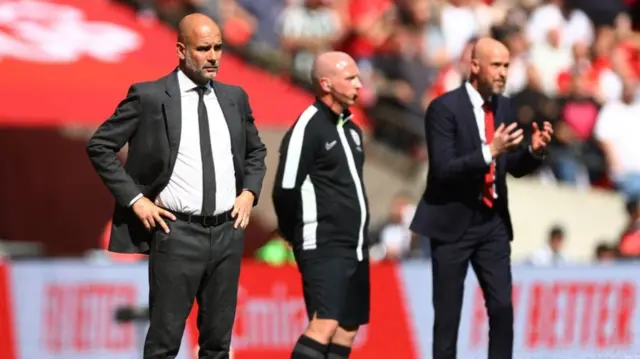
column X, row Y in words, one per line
column 173, row 116
column 497, row 111
column 469, row 122
column 230, row 112
column 234, row 123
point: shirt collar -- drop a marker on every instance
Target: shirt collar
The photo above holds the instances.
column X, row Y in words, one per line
column 186, row 84
column 344, row 117
column 474, row 95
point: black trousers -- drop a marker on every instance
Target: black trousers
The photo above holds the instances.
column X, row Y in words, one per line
column 486, row 245
column 193, row 262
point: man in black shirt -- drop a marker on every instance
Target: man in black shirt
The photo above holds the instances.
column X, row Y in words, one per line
column 322, row 210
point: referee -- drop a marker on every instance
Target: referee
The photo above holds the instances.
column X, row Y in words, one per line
column 322, row 210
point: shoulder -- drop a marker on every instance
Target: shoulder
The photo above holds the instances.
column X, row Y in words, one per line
column 232, row 90
column 308, row 119
column 145, row 89
column 306, row 126
column 449, row 101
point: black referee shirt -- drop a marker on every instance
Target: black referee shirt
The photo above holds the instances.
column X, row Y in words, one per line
column 319, row 195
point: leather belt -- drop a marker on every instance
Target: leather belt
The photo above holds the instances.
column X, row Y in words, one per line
column 206, row 221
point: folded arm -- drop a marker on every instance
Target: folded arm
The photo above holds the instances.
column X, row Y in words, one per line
column 256, row 152
column 440, row 128
column 108, row 140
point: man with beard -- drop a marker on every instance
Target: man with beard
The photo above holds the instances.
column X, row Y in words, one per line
column 473, row 143
column 194, row 172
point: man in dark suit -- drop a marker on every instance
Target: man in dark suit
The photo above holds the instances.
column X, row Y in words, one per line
column 473, row 142
column 195, row 158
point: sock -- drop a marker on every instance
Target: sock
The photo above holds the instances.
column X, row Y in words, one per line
column 307, row 348
column 337, row 351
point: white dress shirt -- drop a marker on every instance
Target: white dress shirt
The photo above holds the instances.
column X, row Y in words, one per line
column 477, row 102
column 184, row 191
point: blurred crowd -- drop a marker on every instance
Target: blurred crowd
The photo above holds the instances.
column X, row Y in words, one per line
column 575, row 63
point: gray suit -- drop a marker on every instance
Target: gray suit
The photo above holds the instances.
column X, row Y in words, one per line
column 196, row 260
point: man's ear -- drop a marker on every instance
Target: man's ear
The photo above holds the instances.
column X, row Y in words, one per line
column 325, row 84
column 181, row 50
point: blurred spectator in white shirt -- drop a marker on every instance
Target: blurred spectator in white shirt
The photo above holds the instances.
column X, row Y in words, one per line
column 551, row 58
column 573, row 23
column 395, row 238
column 308, row 29
column 551, row 253
column 617, row 130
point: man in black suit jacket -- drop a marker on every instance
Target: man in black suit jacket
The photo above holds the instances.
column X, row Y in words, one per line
column 473, row 142
column 195, row 158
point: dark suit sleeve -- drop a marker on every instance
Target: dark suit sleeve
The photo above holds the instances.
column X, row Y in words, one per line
column 444, row 163
column 106, row 142
column 256, row 152
column 522, row 162
column 297, row 155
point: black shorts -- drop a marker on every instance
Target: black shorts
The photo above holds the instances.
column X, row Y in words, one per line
column 336, row 288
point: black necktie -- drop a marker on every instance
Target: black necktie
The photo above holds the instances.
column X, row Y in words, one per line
column 208, row 170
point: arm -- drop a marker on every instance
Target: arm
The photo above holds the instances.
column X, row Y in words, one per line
column 522, row 162
column 297, row 153
column 106, row 142
column 445, row 164
column 256, row 152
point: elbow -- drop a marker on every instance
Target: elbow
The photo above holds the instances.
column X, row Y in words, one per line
column 93, row 150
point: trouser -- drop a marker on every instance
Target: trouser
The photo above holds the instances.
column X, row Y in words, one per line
column 193, row 262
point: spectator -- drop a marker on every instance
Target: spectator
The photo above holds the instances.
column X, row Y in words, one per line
column 551, row 58
column 572, row 24
column 629, row 245
column 617, row 130
column 372, row 22
column 309, row 28
column 395, row 239
column 266, row 14
column 574, row 129
column 605, row 253
column 551, row 254
column 460, row 23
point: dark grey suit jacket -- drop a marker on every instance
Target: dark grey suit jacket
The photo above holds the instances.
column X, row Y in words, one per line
column 149, row 120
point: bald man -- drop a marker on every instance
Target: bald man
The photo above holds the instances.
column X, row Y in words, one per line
column 194, row 172
column 322, row 210
column 473, row 141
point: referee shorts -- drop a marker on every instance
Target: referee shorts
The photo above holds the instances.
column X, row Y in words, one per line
column 336, row 288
